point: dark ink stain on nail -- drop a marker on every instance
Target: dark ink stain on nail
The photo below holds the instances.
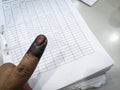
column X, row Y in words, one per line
column 38, row 46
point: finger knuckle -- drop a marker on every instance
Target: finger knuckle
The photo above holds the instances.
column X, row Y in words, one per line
column 23, row 72
column 8, row 65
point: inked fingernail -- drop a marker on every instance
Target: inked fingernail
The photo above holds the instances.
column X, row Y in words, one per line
column 40, row 39
column 38, row 46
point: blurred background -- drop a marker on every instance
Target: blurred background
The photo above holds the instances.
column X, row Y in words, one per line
column 103, row 18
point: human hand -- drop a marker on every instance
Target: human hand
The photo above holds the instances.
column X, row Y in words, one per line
column 15, row 77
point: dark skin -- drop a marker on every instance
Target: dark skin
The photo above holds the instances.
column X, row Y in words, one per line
column 15, row 77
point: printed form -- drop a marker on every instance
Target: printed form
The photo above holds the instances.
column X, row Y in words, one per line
column 25, row 19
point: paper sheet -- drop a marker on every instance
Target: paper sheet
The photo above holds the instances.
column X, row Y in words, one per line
column 89, row 2
column 95, row 82
column 25, row 19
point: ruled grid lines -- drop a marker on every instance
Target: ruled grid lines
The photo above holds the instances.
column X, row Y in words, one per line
column 25, row 19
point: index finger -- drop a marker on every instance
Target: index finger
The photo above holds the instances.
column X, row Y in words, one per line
column 30, row 60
